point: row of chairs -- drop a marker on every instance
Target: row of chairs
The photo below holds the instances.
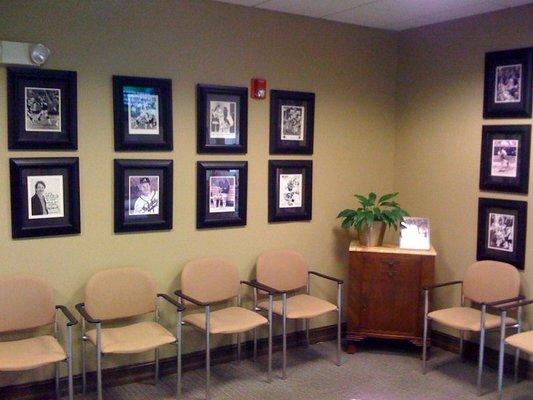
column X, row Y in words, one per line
column 26, row 302
column 493, row 286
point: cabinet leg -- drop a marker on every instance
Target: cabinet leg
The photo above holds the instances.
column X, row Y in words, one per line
column 350, row 348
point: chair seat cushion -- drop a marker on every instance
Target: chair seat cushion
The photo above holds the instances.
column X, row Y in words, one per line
column 466, row 318
column 228, row 320
column 301, row 306
column 134, row 338
column 20, row 355
column 522, row 341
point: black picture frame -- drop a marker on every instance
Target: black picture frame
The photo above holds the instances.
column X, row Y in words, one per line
column 508, row 84
column 42, row 109
column 136, row 211
column 502, row 231
column 283, row 175
column 505, row 152
column 144, row 128
column 227, row 205
column 292, row 122
column 57, row 210
column 213, row 106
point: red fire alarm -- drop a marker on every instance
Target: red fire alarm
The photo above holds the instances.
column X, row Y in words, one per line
column 259, row 89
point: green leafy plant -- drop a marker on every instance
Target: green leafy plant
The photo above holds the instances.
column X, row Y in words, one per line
column 385, row 209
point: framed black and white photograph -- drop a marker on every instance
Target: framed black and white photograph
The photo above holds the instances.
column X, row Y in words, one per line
column 508, row 84
column 502, row 231
column 143, row 195
column 221, row 193
column 290, row 189
column 222, row 119
column 143, row 113
column 42, row 109
column 45, row 199
column 505, row 151
column 292, row 116
column 414, row 233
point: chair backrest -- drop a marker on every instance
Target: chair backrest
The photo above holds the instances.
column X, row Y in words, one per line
column 120, row 293
column 25, row 302
column 487, row 281
column 282, row 269
column 210, row 279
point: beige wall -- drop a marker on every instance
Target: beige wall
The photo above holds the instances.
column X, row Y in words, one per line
column 352, row 70
column 438, row 141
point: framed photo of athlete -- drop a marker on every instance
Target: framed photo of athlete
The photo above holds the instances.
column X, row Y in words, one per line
column 505, row 151
column 292, row 120
column 222, row 119
column 502, row 231
column 42, row 109
column 290, row 190
column 508, row 84
column 143, row 113
column 45, row 196
column 143, row 195
column 221, row 193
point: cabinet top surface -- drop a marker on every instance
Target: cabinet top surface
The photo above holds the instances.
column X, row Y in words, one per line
column 390, row 248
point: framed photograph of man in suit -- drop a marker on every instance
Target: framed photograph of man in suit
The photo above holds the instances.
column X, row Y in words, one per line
column 44, row 196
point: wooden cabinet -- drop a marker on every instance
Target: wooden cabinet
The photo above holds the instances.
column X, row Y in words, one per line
column 384, row 298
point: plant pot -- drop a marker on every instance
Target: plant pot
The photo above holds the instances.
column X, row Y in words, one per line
column 372, row 236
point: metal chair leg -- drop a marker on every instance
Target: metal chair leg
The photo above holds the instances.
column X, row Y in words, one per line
column 255, row 329
column 238, row 347
column 339, row 316
column 270, row 301
column 284, row 333
column 481, row 350
column 501, row 355
column 69, row 364
column 178, row 357
column 306, row 324
column 517, row 351
column 99, row 360
column 156, row 366
column 425, row 339
column 83, row 357
column 207, row 354
column 461, row 345
column 56, row 380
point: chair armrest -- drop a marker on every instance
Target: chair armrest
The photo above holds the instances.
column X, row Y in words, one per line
column 180, row 294
column 503, row 301
column 66, row 312
column 517, row 304
column 258, row 286
column 81, row 309
column 179, row 307
column 438, row 285
column 268, row 289
column 331, row 278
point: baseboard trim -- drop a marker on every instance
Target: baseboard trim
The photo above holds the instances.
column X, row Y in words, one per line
column 123, row 375
column 144, row 371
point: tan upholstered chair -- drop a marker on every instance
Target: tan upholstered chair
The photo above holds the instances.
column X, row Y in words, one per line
column 120, row 293
column 521, row 341
column 207, row 281
column 26, row 302
column 486, row 283
column 286, row 272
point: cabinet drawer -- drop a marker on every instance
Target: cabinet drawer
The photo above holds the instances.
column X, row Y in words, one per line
column 397, row 269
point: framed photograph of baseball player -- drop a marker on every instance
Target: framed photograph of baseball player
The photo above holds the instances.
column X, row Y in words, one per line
column 502, row 231
column 45, row 196
column 42, row 109
column 221, row 193
column 292, row 120
column 143, row 113
column 508, row 84
column 505, row 151
column 290, row 190
column 222, row 119
column 143, row 195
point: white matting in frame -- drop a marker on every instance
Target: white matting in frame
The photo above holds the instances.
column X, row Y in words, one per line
column 45, row 196
column 415, row 233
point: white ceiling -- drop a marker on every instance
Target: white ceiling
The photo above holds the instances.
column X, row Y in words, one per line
column 387, row 14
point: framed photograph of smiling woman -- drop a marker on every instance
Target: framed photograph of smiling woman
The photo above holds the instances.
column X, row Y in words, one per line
column 508, row 84
column 290, row 190
column 292, row 121
column 143, row 195
column 45, row 198
column 143, row 113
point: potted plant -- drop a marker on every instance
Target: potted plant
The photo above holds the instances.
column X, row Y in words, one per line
column 373, row 215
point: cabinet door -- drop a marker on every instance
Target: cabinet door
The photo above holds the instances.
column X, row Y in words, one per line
column 390, row 293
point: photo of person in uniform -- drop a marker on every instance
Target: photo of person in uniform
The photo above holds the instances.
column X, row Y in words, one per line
column 144, row 195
